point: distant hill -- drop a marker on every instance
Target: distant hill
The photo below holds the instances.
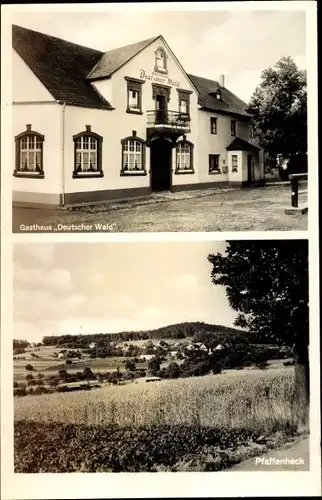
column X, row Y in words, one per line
column 195, row 329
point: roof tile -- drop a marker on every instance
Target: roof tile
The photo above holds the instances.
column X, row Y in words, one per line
column 112, row 60
column 229, row 102
column 61, row 66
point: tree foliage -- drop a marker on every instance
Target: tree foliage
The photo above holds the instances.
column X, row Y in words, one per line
column 279, row 110
column 104, row 340
column 267, row 282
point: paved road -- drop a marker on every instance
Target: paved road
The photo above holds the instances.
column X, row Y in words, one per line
column 246, row 209
column 298, row 451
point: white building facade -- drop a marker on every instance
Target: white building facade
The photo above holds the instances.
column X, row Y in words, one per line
column 92, row 126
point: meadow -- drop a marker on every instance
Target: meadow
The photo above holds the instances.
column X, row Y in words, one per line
column 200, row 423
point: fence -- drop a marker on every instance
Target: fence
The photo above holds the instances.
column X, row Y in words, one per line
column 296, row 180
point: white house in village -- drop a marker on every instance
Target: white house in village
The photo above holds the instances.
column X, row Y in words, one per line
column 94, row 126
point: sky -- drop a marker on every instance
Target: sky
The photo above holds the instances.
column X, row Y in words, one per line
column 106, row 288
column 239, row 44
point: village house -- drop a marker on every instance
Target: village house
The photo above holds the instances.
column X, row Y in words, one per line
column 146, row 357
column 92, row 126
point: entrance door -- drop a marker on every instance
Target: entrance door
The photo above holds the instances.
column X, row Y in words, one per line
column 161, row 108
column 250, row 172
column 161, row 157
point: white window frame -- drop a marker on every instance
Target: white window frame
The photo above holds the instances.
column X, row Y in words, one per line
column 234, row 163
column 184, row 157
column 30, row 155
column 133, row 157
column 86, row 147
column 136, row 106
column 185, row 112
column 160, row 57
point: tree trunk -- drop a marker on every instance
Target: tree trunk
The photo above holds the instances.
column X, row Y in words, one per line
column 302, row 386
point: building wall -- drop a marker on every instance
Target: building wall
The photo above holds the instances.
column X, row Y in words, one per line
column 45, row 119
column 33, row 104
column 115, row 89
column 217, row 144
column 25, row 85
column 103, row 123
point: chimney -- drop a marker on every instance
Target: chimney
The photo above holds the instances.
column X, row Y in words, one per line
column 222, row 80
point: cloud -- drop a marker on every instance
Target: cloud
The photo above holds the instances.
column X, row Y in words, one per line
column 186, row 282
column 148, row 312
column 44, row 305
column 37, row 277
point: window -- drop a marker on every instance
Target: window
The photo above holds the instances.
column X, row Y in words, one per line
column 252, row 131
column 234, row 163
column 88, row 154
column 133, row 156
column 213, row 125
column 184, row 101
column 183, row 106
column 233, row 127
column 214, row 164
column 160, row 60
column 29, row 154
column 134, row 96
column 134, row 100
column 184, row 157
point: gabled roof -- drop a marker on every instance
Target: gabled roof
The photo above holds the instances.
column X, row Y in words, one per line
column 112, row 60
column 241, row 145
column 229, row 102
column 61, row 66
column 67, row 69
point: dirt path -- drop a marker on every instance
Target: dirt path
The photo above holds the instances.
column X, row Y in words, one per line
column 260, row 209
column 297, row 452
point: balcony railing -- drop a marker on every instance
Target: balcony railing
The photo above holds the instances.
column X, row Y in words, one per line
column 168, row 120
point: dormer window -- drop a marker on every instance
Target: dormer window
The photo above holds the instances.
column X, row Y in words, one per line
column 160, row 61
column 218, row 95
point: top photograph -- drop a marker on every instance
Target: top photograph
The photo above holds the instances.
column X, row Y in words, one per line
column 129, row 121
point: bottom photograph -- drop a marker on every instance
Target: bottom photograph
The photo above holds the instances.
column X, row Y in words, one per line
column 161, row 356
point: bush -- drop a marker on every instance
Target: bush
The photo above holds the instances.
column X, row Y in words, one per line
column 262, row 366
column 29, row 367
column 288, row 363
column 68, row 362
column 20, row 391
column 217, row 369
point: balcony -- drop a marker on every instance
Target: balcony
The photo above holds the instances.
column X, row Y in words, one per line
column 167, row 123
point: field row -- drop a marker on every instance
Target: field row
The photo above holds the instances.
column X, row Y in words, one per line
column 252, row 399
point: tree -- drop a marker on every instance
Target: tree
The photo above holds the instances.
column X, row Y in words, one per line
column 130, row 365
column 278, row 108
column 154, row 366
column 267, row 283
